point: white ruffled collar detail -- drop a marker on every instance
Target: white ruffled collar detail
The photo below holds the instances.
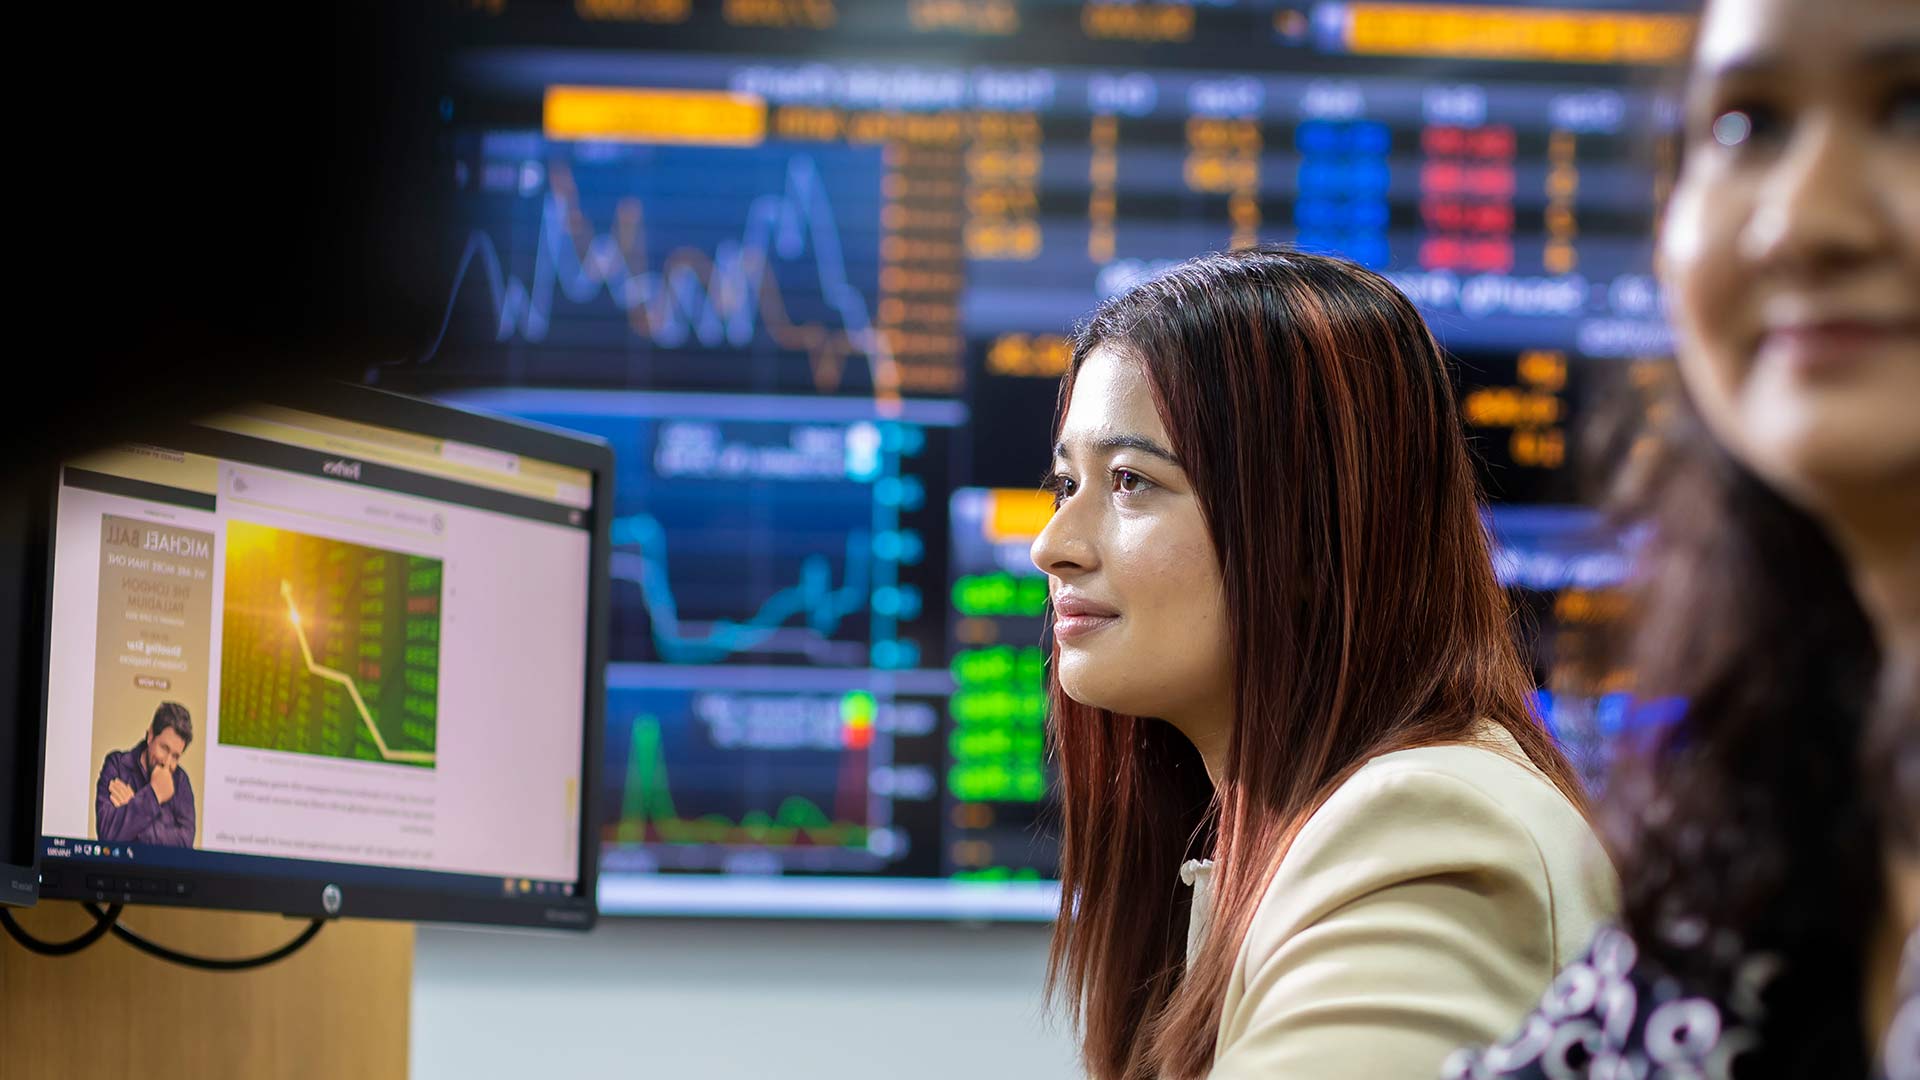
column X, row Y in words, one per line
column 1199, row 874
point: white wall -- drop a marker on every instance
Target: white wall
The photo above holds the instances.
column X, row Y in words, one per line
column 715, row 1000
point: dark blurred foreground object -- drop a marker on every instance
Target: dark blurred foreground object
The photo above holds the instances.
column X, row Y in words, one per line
column 215, row 202
column 222, row 199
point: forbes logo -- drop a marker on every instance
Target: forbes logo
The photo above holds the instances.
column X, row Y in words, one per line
column 345, row 470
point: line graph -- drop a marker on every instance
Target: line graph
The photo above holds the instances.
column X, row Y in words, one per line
column 329, row 648
column 353, row 690
column 648, row 812
column 821, row 605
column 721, row 777
column 765, row 539
column 757, row 260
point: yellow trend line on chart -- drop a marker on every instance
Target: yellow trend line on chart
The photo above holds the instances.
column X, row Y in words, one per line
column 424, row 757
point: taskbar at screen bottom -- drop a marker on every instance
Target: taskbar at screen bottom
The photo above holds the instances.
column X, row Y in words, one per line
column 158, row 874
column 770, row 897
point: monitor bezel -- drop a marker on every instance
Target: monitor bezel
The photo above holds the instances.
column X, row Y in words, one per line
column 308, row 897
column 20, row 882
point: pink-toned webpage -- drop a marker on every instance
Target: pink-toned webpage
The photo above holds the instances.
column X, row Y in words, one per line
column 142, row 602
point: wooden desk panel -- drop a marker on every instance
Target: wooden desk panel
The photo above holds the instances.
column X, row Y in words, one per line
column 336, row 1010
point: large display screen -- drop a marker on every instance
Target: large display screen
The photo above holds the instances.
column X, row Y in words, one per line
column 810, row 267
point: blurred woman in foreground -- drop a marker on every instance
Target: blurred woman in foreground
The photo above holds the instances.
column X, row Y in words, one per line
column 1770, row 844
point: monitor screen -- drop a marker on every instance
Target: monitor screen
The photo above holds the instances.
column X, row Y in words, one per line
column 333, row 658
column 811, row 266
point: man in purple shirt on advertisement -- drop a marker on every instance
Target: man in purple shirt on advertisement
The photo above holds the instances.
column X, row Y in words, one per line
column 144, row 795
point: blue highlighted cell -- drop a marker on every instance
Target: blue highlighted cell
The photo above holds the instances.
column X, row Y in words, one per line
column 1317, row 137
column 1348, row 177
column 1366, row 248
column 1355, row 137
column 1369, row 137
column 1344, row 214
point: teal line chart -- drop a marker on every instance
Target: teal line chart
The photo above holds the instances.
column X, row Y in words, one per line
column 806, row 612
column 815, row 597
column 794, row 535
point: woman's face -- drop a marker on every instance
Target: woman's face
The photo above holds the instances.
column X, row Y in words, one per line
column 1791, row 245
column 1139, row 614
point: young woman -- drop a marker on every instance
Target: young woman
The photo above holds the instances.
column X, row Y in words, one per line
column 1278, row 643
column 1770, row 844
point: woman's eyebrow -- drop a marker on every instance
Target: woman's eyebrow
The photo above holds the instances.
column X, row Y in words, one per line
column 1107, row 444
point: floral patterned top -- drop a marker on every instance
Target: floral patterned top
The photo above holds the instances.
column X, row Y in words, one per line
column 1609, row 1017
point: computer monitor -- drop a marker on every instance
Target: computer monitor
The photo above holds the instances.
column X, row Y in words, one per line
column 340, row 656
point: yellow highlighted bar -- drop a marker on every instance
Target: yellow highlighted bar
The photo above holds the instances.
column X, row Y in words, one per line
column 1507, row 33
column 623, row 114
column 1017, row 515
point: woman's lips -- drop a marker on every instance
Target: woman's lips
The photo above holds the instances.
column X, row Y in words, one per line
column 1832, row 346
column 1076, row 617
column 1073, row 627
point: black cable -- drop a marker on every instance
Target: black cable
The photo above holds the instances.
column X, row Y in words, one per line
column 103, row 922
column 161, row 952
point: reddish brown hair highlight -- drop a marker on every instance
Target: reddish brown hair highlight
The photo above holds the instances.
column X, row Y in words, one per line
column 1315, row 418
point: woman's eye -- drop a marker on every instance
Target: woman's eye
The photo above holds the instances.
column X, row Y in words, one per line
column 1060, row 486
column 1903, row 112
column 1745, row 125
column 1128, row 482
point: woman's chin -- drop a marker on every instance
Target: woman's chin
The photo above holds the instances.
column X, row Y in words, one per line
column 1080, row 678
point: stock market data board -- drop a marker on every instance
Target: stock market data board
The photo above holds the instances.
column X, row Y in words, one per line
column 812, row 266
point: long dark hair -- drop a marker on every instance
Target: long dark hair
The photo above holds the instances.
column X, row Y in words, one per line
column 1316, row 420
column 1750, row 834
column 1745, row 829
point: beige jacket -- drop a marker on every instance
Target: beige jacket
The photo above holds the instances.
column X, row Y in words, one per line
column 1424, row 907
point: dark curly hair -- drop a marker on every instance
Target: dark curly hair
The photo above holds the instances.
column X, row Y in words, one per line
column 1758, row 821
